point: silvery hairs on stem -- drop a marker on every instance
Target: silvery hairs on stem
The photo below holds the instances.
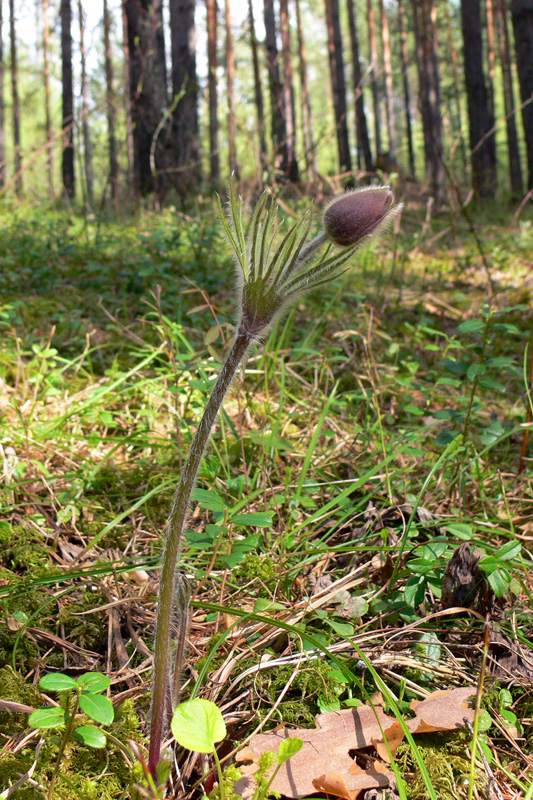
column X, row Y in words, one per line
column 270, row 279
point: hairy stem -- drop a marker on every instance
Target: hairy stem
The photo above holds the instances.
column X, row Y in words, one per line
column 176, row 522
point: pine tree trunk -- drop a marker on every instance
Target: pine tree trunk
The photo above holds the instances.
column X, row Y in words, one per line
column 85, row 110
column 456, row 87
column 258, row 92
column 338, row 86
column 279, row 128
column 491, row 56
column 110, row 107
column 129, row 91
column 47, row 102
column 2, row 108
column 185, row 131
column 288, row 91
column 148, row 93
column 424, row 23
column 522, row 14
column 482, row 144
column 361, row 128
column 404, row 57
column 16, row 103
column 515, row 169
column 307, row 114
column 230, row 77
column 67, row 165
column 389, row 91
column 374, row 67
column 214, row 160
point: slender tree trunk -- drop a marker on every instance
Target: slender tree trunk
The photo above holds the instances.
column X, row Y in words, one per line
column 288, row 90
column 69, row 184
column 456, row 86
column 214, row 160
column 279, row 127
column 404, row 58
column 361, row 129
column 148, row 92
column 338, row 86
column 230, row 75
column 522, row 14
column 2, row 129
column 85, row 110
column 515, row 169
column 424, row 22
column 185, row 94
column 129, row 92
column 374, row 64
column 258, row 91
column 491, row 57
column 47, row 103
column 389, row 90
column 307, row 114
column 16, row 104
column 482, row 145
column 110, row 107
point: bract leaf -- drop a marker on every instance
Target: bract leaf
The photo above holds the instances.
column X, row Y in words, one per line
column 91, row 736
column 97, row 707
column 197, row 725
column 57, row 683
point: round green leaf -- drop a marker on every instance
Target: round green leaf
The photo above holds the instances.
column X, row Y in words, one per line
column 93, row 682
column 57, row 683
column 288, row 748
column 197, row 725
column 47, row 717
column 91, row 736
column 97, row 707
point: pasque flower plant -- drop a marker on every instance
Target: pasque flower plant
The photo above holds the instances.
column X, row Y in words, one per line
column 273, row 271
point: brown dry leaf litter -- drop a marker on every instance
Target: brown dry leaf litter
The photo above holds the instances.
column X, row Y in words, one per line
column 325, row 762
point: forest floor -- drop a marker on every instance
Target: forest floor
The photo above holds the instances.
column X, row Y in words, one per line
column 376, row 435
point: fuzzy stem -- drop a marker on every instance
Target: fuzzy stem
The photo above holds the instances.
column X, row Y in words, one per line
column 176, row 522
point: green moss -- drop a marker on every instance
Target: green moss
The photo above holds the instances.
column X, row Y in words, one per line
column 260, row 568
column 447, row 760
column 314, row 682
column 85, row 629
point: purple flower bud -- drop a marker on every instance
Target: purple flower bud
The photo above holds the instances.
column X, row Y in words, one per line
column 351, row 217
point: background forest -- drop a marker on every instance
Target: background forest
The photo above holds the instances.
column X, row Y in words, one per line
column 358, row 552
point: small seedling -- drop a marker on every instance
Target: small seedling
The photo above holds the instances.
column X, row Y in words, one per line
column 85, row 694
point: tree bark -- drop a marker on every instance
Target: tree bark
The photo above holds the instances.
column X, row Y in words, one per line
column 128, row 103
column 361, row 128
column 389, row 91
column 47, row 102
column 110, row 108
column 424, row 23
column 482, row 142
column 491, row 56
column 515, row 169
column 404, row 58
column 338, row 86
column 307, row 114
column 456, row 87
column 288, row 90
column 148, row 94
column 185, row 93
column 16, row 103
column 258, row 92
column 374, row 69
column 214, row 159
column 522, row 15
column 2, row 108
column 230, row 78
column 67, row 165
column 85, row 110
column 277, row 111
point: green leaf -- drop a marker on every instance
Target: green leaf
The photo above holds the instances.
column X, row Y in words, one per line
column 47, row 718
column 488, row 383
column 508, row 551
column 209, row 499
column 506, row 698
column 499, row 361
column 94, row 682
column 461, row 530
column 197, row 725
column 471, row 326
column 414, row 410
column 445, row 438
column 91, row 736
column 498, row 582
column 288, row 748
column 97, row 707
column 259, row 519
column 57, row 682
column 455, row 367
column 474, row 370
column 485, row 720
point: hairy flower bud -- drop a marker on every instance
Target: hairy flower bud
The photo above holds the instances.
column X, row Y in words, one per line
column 353, row 216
